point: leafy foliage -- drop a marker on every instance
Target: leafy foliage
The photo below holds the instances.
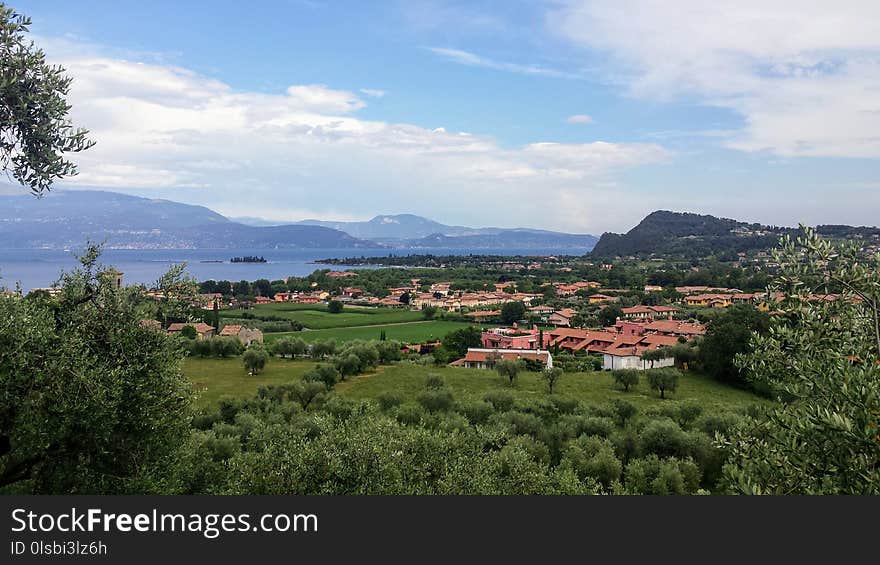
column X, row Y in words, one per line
column 34, row 130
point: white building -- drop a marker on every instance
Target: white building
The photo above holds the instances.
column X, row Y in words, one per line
column 631, row 358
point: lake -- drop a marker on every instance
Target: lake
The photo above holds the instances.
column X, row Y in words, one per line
column 35, row 268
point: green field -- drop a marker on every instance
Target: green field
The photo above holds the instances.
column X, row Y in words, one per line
column 412, row 332
column 214, row 378
column 316, row 316
column 592, row 388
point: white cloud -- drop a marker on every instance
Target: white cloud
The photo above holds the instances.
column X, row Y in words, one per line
column 373, row 92
column 473, row 60
column 803, row 74
column 304, row 152
column 579, row 119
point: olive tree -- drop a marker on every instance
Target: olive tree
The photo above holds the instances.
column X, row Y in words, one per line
column 821, row 360
column 625, row 378
column 663, row 380
column 91, row 401
column 35, row 133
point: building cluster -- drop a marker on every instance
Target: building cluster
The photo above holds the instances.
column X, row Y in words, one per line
column 622, row 346
column 243, row 334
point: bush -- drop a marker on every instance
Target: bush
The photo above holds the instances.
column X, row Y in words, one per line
column 477, row 412
column 664, row 438
column 389, row 400
column 652, row 475
column 436, row 400
column 501, row 401
column 434, row 382
column 334, row 307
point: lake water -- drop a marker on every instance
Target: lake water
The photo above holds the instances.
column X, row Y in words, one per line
column 35, row 268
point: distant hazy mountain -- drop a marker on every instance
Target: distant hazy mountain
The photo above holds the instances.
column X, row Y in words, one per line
column 509, row 239
column 680, row 233
column 64, row 219
column 408, row 230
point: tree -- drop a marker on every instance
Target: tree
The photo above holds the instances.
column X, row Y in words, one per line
column 508, row 368
column 35, row 133
column 663, row 380
column 189, row 332
column 654, row 355
column 551, row 376
column 609, row 314
column 327, row 375
column 821, row 360
column 307, row 392
column 727, row 336
column 334, row 307
column 512, row 312
column 625, row 378
column 90, row 400
column 404, row 298
column 459, row 341
column 428, row 312
column 255, row 359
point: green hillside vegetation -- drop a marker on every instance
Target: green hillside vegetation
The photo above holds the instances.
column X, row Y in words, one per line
column 679, row 234
column 410, row 332
column 316, row 316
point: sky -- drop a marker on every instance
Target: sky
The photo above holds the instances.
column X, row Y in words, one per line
column 571, row 115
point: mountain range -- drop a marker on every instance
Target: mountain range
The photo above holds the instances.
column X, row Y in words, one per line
column 65, row 219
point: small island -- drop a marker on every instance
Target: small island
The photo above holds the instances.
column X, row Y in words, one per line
column 248, row 259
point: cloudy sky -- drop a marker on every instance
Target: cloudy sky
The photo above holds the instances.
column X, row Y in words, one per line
column 574, row 115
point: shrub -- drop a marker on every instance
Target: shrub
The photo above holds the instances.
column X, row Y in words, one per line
column 500, row 400
column 388, row 400
column 436, row 400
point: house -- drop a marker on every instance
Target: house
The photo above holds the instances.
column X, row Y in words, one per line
column 210, row 300
column 541, row 310
column 562, row 317
column 151, row 324
column 245, row 335
column 653, row 288
column 483, row 358
column 512, row 338
column 115, row 277
column 263, row 300
column 203, row 330
column 597, row 298
column 284, row 296
column 483, row 314
column 647, row 312
column 631, row 358
column 352, row 292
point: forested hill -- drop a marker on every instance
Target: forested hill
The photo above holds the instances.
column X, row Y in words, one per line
column 687, row 234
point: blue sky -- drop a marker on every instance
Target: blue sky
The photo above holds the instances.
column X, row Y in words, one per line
column 574, row 115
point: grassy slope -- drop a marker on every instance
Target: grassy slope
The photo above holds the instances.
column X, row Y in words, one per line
column 316, row 317
column 412, row 332
column 591, row 388
column 218, row 377
column 214, row 378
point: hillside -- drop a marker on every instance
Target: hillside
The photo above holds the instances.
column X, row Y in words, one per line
column 64, row 219
column 687, row 234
